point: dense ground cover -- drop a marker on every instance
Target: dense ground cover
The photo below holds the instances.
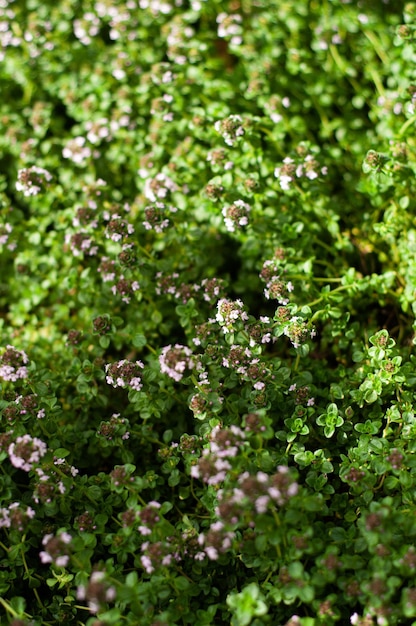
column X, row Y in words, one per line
column 207, row 314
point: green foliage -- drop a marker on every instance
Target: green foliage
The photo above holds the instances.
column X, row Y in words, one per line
column 207, row 316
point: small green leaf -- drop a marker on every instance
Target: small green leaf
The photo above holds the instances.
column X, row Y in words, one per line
column 139, row 341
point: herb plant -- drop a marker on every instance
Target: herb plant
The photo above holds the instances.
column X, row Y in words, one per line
column 207, row 313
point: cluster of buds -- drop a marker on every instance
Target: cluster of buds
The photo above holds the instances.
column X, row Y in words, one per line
column 118, row 228
column 125, row 288
column 170, row 284
column 102, row 324
column 298, row 331
column 158, row 554
column 149, row 516
column 157, row 216
column 116, row 427
column 86, row 216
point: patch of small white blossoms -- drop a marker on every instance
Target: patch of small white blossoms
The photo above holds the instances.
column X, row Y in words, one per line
column 228, row 313
column 290, row 170
column 276, row 288
column 214, row 542
column 230, row 128
column 5, row 231
column 236, row 215
column 77, row 151
column 81, row 243
column 97, row 592
column 230, row 27
column 14, row 515
column 214, row 465
column 31, row 180
column 98, row 130
column 124, row 374
column 26, row 451
column 158, row 187
column 175, row 360
column 86, row 28
column 13, row 364
column 56, row 550
column 257, row 492
column 157, row 216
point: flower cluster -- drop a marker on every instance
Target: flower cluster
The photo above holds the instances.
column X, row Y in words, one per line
column 302, row 394
column 229, row 313
column 158, row 554
column 175, row 360
column 229, row 27
column 98, row 130
column 16, row 516
column 26, row 406
column 13, row 364
column 209, row 288
column 77, row 151
column 5, row 231
column 118, row 228
column 56, row 549
column 124, row 287
column 212, row 467
column 97, row 592
column 26, row 451
column 298, row 331
column 276, row 288
column 258, row 490
column 157, row 216
column 148, row 517
column 236, row 215
column 124, row 374
column 159, row 187
column 116, row 427
column 52, row 480
column 230, row 128
column 81, row 243
column 246, row 364
column 32, row 180
column 306, row 167
column 295, row 327
column 217, row 540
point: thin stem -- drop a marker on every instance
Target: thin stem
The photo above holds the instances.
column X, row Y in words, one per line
column 38, row 600
column 377, row 47
column 11, row 610
column 406, row 125
column 328, row 295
